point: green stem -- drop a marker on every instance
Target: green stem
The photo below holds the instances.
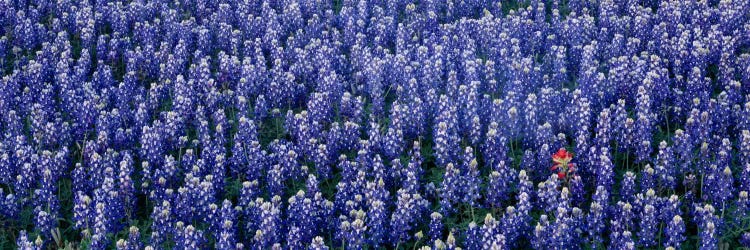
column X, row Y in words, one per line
column 666, row 118
column 658, row 236
column 702, row 177
column 627, row 160
column 471, row 208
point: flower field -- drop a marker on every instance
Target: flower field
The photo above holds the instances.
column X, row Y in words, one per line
column 374, row 124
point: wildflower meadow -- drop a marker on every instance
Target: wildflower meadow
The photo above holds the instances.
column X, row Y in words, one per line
column 374, row 124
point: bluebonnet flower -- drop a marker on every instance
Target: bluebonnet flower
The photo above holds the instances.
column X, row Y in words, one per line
column 595, row 224
column 621, row 223
column 670, row 208
column 708, row 236
column 544, row 136
column 662, row 167
column 5, row 165
column 499, row 242
column 23, row 182
column 490, row 229
column 564, row 227
column 724, row 188
column 603, row 129
column 524, row 184
column 582, row 110
column 377, row 222
column 270, row 216
column 682, row 148
column 675, row 231
column 162, row 223
column 356, row 237
column 379, row 171
column 317, row 244
column 499, row 184
column 450, row 190
column 627, row 140
column 707, row 224
column 628, row 187
column 3, row 46
column 648, row 178
column 743, row 204
column 293, row 238
column 188, row 237
column 548, row 194
column 436, row 226
column 523, row 212
column 99, row 237
column 350, row 135
column 495, row 146
column 578, row 190
column 542, row 232
column 152, row 148
column 470, row 180
column 243, row 150
column 205, row 197
column 123, row 244
column 625, row 240
column 514, row 222
column 9, row 206
column 227, row 236
column 134, row 238
column 745, row 239
column 23, row 242
column 530, row 115
column 513, row 122
column 414, row 167
column 364, row 159
column 262, row 108
column 82, row 209
column 275, row 180
column 290, row 166
column 187, row 195
column 473, row 236
column 408, row 210
column 648, row 225
column 392, row 143
column 344, row 230
column 694, row 126
column 47, row 204
column 322, row 161
column 443, row 145
column 605, row 169
column 352, row 184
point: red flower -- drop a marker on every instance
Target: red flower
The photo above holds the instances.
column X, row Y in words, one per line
column 562, row 165
column 562, row 157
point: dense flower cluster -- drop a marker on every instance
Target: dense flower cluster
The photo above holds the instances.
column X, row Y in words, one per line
column 364, row 124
